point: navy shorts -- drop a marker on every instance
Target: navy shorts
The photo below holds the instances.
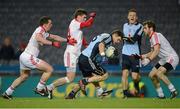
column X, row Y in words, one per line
column 130, row 63
column 88, row 67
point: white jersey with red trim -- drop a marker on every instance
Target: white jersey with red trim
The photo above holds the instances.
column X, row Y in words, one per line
column 166, row 50
column 76, row 33
column 33, row 45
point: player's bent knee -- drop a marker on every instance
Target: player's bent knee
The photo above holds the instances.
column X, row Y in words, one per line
column 105, row 76
column 50, row 69
column 68, row 80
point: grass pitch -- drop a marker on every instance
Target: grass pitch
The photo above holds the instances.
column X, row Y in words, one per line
column 90, row 103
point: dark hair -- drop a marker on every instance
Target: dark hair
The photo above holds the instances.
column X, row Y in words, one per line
column 118, row 32
column 44, row 20
column 79, row 12
column 150, row 24
column 132, row 10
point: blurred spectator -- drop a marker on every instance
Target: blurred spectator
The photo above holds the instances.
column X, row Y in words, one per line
column 21, row 48
column 6, row 51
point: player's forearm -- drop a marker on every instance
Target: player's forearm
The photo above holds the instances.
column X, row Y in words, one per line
column 102, row 49
column 153, row 54
column 87, row 23
column 58, row 38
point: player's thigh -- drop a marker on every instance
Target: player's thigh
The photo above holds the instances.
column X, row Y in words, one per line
column 154, row 71
column 171, row 63
column 27, row 61
column 125, row 62
column 86, row 66
column 70, row 59
column 44, row 66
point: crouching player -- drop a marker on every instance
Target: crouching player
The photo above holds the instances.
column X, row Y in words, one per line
column 29, row 58
column 168, row 59
column 91, row 70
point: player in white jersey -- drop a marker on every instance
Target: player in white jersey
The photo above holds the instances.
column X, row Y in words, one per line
column 29, row 58
column 168, row 59
column 92, row 71
column 72, row 52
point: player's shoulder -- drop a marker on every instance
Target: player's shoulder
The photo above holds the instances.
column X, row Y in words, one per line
column 105, row 35
column 39, row 30
column 125, row 24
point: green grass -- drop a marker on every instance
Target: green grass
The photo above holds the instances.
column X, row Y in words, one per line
column 89, row 103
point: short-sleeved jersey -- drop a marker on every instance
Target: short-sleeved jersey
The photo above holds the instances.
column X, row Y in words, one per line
column 76, row 33
column 93, row 49
column 132, row 30
column 165, row 48
column 33, row 45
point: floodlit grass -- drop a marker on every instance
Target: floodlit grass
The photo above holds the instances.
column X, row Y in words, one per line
column 89, row 103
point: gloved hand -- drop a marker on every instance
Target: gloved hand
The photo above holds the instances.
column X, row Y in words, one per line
column 146, row 61
column 92, row 14
column 71, row 41
column 56, row 44
column 128, row 39
column 137, row 56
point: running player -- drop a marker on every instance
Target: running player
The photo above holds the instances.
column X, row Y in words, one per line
column 29, row 58
column 92, row 71
column 73, row 51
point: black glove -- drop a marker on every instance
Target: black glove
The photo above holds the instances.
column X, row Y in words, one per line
column 136, row 56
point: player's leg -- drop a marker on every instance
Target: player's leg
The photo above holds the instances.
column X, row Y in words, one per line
column 99, row 90
column 70, row 75
column 73, row 93
column 70, row 61
column 125, row 73
column 156, row 82
column 47, row 71
column 135, row 65
column 161, row 74
column 23, row 76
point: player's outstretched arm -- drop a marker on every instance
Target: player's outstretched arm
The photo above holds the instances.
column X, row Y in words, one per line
column 41, row 40
column 58, row 38
column 102, row 49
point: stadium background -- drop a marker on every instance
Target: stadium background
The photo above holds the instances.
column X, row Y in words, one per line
column 19, row 18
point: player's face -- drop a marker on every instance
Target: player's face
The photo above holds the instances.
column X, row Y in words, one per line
column 48, row 25
column 132, row 17
column 146, row 30
column 83, row 18
column 116, row 39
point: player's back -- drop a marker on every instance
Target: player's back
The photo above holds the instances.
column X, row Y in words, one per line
column 93, row 48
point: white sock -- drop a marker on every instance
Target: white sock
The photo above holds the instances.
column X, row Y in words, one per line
column 50, row 87
column 99, row 91
column 171, row 87
column 10, row 90
column 160, row 92
column 41, row 85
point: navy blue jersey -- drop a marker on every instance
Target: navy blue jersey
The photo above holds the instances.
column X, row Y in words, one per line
column 93, row 49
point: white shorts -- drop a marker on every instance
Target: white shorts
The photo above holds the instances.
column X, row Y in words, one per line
column 28, row 61
column 70, row 61
column 173, row 60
